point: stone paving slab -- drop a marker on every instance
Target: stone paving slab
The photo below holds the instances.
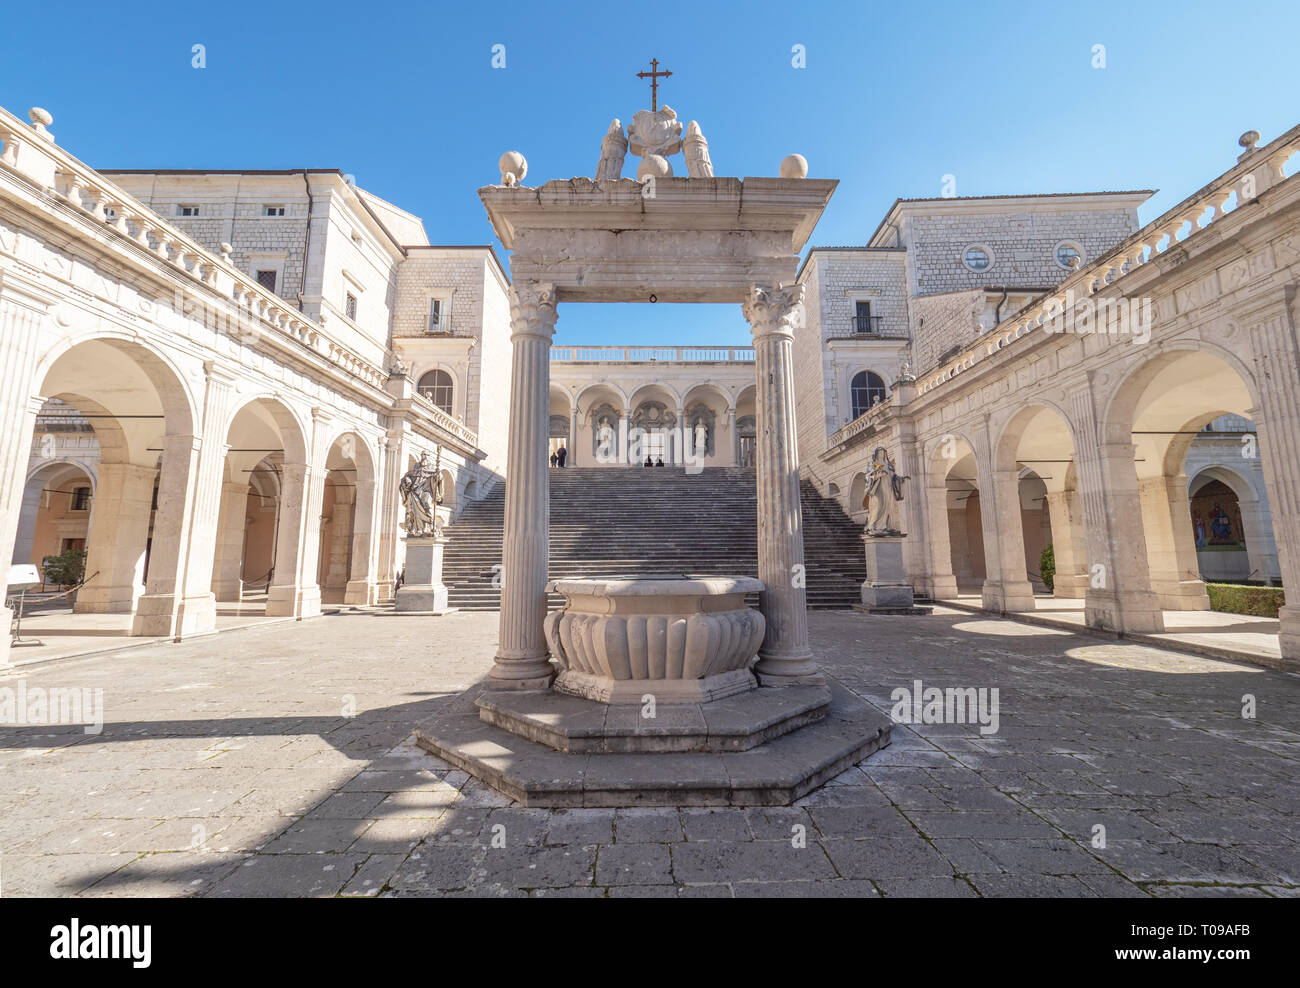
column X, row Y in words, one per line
column 280, row 762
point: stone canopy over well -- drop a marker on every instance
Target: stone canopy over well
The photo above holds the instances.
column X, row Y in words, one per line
column 680, row 239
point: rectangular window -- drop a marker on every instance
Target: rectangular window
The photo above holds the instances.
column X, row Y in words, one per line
column 350, row 306
column 187, row 210
column 267, row 280
column 862, row 317
column 435, row 315
column 81, row 499
column 272, row 210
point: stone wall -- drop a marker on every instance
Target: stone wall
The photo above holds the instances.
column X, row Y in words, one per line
column 1022, row 245
column 943, row 323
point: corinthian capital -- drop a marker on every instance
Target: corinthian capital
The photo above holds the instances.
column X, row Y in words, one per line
column 773, row 310
column 532, row 309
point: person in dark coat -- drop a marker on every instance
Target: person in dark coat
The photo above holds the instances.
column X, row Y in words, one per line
column 562, row 454
column 648, row 462
column 555, row 458
column 659, row 462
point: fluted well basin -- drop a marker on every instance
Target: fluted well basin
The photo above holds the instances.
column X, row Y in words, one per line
column 677, row 638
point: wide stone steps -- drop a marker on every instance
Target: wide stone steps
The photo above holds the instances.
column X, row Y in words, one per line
column 645, row 521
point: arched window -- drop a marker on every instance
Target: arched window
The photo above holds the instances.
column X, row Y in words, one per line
column 867, row 388
column 436, row 386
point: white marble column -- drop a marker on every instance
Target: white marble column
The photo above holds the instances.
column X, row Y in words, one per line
column 1171, row 544
column 784, row 657
column 388, row 514
column 521, row 660
column 116, row 539
column 227, row 583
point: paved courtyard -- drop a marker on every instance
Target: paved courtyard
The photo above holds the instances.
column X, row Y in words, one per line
column 278, row 760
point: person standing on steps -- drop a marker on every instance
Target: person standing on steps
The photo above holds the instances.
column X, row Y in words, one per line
column 562, row 454
column 555, row 458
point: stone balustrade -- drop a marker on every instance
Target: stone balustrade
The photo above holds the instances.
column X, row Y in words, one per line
column 101, row 201
column 860, row 424
column 1256, row 171
column 655, row 354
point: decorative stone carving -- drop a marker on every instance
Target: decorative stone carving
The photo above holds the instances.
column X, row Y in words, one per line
column 654, row 166
column 612, row 151
column 655, row 132
column 794, row 166
column 885, row 489
column 421, row 493
column 773, row 310
column 696, row 150
column 41, row 121
column 653, row 415
column 680, row 639
column 513, row 167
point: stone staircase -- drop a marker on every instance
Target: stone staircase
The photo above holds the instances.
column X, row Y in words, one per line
column 646, row 520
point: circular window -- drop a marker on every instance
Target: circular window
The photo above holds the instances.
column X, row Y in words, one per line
column 1069, row 256
column 977, row 258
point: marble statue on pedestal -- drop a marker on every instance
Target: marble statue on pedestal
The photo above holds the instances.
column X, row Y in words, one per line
column 612, row 151
column 701, row 438
column 421, row 493
column 885, row 490
column 604, row 441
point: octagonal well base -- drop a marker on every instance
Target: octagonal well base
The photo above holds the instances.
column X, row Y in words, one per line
column 573, row 724
column 775, row 773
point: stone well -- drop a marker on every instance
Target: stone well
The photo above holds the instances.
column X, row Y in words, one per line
column 680, row 639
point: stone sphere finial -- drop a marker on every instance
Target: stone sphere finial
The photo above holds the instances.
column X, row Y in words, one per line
column 1249, row 139
column 794, row 166
column 41, row 120
column 655, row 166
column 513, row 167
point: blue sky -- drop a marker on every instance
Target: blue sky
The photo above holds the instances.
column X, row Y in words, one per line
column 894, row 96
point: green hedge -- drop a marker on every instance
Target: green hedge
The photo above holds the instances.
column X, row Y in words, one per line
column 1235, row 598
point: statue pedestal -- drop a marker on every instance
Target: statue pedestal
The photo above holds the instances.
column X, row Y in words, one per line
column 423, row 592
column 885, row 590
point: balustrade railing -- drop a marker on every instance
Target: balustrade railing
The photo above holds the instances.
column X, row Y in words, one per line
column 1257, row 171
column 648, row 354
column 31, row 152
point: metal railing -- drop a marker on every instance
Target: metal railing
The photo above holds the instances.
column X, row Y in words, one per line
column 866, row 328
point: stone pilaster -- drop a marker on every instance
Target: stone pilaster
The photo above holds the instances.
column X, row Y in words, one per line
column 388, row 512
column 287, row 596
column 1171, row 544
column 1006, row 588
column 784, row 657
column 361, row 582
column 168, row 608
column 1071, row 579
column 227, row 583
column 1277, row 421
column 521, row 660
column 22, row 314
column 116, row 539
